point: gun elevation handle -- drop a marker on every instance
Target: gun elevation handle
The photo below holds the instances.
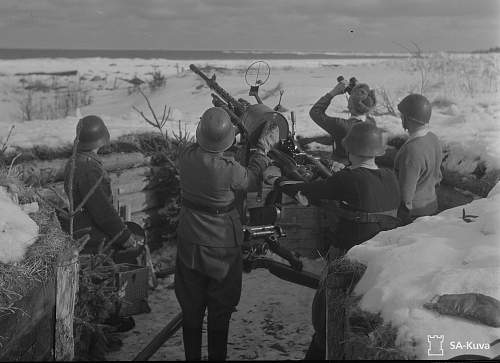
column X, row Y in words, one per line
column 302, row 278
column 275, row 247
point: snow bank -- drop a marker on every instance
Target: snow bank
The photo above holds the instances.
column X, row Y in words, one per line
column 469, row 126
column 17, row 230
column 437, row 255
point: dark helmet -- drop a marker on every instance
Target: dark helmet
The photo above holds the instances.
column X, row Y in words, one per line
column 215, row 132
column 93, row 133
column 364, row 139
column 416, row 108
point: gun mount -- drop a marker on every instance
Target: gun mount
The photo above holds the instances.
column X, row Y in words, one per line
column 250, row 119
column 261, row 239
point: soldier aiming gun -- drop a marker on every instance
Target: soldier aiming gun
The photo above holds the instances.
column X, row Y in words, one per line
column 209, row 258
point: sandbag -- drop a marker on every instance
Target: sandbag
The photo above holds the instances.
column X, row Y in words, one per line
column 473, row 306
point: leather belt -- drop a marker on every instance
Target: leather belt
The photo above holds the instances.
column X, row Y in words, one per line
column 207, row 209
column 387, row 219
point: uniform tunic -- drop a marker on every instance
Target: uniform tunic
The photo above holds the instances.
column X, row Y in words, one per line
column 361, row 189
column 209, row 259
column 98, row 213
column 208, row 242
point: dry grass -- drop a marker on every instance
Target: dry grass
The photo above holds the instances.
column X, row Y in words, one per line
column 39, row 263
column 369, row 337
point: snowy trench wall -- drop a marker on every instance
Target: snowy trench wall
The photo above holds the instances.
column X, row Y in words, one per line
column 450, row 253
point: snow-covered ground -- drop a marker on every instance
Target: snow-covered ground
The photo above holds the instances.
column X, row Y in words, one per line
column 406, row 267
column 409, row 266
column 466, row 87
column 271, row 322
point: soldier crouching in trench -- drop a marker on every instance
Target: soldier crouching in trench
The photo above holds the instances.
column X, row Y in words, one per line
column 209, row 258
column 98, row 212
column 368, row 198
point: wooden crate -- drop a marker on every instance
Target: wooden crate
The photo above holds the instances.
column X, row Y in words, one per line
column 304, row 233
column 28, row 332
column 40, row 325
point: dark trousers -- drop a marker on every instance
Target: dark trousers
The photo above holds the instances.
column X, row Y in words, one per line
column 196, row 293
column 316, row 350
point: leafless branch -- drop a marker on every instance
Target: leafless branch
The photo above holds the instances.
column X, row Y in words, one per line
column 12, row 163
column 6, row 141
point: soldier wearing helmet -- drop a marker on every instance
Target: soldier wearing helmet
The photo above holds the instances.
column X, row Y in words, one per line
column 365, row 199
column 418, row 161
column 361, row 101
column 98, row 212
column 209, row 261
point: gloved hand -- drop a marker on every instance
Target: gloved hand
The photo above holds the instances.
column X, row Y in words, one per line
column 269, row 137
column 302, row 199
column 404, row 214
column 336, row 166
column 271, row 174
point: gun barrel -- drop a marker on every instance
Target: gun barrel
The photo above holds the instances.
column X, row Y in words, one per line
column 212, row 83
column 218, row 102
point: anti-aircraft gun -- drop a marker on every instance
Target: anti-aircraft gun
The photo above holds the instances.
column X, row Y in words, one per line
column 250, row 119
column 261, row 222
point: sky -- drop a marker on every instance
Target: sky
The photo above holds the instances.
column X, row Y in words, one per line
column 334, row 25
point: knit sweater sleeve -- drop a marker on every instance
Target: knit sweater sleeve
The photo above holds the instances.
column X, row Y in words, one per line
column 336, row 187
column 408, row 170
column 332, row 125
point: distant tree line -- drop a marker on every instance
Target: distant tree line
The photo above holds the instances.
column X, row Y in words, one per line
column 490, row 50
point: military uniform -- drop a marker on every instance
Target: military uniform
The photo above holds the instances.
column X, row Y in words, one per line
column 368, row 200
column 337, row 127
column 209, row 261
column 98, row 213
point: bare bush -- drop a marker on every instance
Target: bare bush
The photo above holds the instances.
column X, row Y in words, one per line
column 53, row 104
column 158, row 81
column 385, row 104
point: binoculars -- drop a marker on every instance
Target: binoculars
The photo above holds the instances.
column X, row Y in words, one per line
column 352, row 82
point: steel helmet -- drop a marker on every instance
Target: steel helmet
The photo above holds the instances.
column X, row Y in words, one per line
column 416, row 108
column 93, row 133
column 215, row 132
column 364, row 139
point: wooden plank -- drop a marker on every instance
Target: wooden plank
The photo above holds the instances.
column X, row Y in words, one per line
column 66, row 290
column 29, row 311
column 52, row 171
column 144, row 200
column 123, row 182
column 335, row 295
column 297, row 216
column 149, row 218
column 62, row 73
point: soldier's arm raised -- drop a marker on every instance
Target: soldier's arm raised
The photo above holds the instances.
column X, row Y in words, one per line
column 249, row 178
